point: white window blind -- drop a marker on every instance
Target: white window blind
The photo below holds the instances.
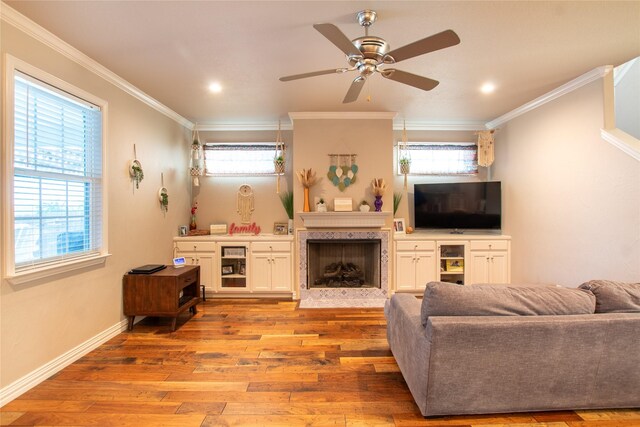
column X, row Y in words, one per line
column 253, row 158
column 442, row 158
column 57, row 182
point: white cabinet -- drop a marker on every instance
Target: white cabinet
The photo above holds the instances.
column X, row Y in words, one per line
column 415, row 265
column 271, row 267
column 489, row 261
column 462, row 259
column 240, row 265
column 202, row 254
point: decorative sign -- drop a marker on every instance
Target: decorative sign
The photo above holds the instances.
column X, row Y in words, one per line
column 244, row 229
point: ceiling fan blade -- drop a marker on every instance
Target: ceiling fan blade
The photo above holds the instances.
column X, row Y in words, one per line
column 338, row 38
column 414, row 80
column 312, row 74
column 432, row 43
column 354, row 90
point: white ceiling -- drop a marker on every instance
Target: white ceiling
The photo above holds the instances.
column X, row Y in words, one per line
column 172, row 50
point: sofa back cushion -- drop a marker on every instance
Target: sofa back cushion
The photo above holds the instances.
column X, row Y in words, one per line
column 614, row 297
column 447, row 299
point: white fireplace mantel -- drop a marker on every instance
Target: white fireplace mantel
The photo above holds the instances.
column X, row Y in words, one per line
column 344, row 219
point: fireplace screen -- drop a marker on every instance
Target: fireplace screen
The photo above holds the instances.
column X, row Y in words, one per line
column 348, row 263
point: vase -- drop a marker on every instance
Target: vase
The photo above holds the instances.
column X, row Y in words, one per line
column 192, row 224
column 378, row 203
column 307, row 207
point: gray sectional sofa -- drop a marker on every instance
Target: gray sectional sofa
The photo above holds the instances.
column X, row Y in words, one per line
column 494, row 349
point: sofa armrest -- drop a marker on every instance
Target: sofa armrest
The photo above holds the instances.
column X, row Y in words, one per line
column 409, row 344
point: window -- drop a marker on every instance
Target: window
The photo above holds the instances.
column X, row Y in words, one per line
column 254, row 158
column 57, row 181
column 442, row 158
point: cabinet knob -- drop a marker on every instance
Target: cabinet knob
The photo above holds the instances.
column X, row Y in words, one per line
column 195, row 247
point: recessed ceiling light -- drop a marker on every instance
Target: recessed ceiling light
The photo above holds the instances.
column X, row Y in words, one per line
column 215, row 87
column 488, row 88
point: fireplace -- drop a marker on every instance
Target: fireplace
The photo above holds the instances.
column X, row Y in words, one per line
column 343, row 268
column 343, row 263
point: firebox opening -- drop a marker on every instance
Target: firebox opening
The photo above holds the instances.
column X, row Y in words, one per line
column 343, row 263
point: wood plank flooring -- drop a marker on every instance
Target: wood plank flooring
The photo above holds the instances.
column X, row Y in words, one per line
column 253, row 363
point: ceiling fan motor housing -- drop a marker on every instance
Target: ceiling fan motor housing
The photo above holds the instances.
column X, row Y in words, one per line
column 373, row 51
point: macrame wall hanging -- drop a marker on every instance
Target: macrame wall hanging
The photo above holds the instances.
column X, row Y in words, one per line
column 404, row 155
column 485, row 147
column 279, row 158
column 245, row 203
column 342, row 170
column 196, row 162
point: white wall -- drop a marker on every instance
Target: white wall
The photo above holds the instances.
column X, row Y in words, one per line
column 41, row 321
column 571, row 201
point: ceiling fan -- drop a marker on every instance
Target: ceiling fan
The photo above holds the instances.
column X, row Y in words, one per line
column 367, row 54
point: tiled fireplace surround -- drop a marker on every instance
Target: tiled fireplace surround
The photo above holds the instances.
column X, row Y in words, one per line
column 343, row 297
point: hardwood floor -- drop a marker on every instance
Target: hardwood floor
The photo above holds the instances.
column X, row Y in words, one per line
column 251, row 363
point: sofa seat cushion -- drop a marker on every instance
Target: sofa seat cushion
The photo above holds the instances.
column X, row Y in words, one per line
column 447, row 299
column 614, row 297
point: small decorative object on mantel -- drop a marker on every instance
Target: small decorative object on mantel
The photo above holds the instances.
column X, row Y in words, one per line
column 343, row 170
column 245, row 203
column 278, row 160
column 404, row 155
column 307, row 178
column 193, row 225
column 364, row 206
column 135, row 169
column 321, row 206
column 485, row 147
column 196, row 166
column 378, row 187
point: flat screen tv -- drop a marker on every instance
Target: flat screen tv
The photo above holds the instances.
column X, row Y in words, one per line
column 458, row 206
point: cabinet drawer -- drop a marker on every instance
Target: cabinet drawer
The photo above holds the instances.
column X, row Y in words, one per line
column 271, row 246
column 187, row 279
column 488, row 245
column 196, row 246
column 416, row 245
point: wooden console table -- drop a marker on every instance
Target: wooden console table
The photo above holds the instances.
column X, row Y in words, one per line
column 166, row 293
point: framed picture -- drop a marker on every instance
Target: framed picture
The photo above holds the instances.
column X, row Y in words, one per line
column 233, row 251
column 242, row 270
column 280, row 228
column 227, row 269
column 182, row 230
column 455, row 265
column 398, row 225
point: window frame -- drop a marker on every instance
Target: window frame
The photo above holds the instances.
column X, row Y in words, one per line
column 55, row 267
column 453, row 174
column 246, row 144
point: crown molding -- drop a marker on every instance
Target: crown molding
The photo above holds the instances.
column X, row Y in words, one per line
column 623, row 141
column 255, row 126
column 440, row 126
column 24, row 24
column 591, row 76
column 346, row 115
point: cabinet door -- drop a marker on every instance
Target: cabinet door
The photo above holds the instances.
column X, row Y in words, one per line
column 281, row 271
column 261, row 271
column 425, row 268
column 498, row 267
column 405, row 271
column 479, row 268
column 205, row 260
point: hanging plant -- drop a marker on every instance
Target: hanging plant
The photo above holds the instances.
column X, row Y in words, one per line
column 405, row 166
column 136, row 172
column 163, row 196
column 278, row 160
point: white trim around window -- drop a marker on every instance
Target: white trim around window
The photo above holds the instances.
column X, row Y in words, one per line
column 64, row 265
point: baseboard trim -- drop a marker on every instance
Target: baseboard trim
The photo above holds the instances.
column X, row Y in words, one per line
column 22, row 385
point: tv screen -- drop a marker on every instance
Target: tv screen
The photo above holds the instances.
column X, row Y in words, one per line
column 458, row 206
